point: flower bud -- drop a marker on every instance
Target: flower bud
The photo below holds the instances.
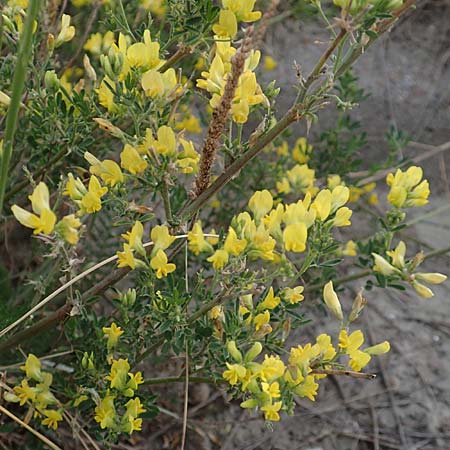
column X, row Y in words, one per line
column 432, row 278
column 422, row 290
column 107, row 126
column 87, row 361
column 90, row 72
column 250, row 403
column 51, row 81
column 4, row 99
column 234, row 352
column 358, row 306
column 128, row 298
column 50, row 42
column 378, row 349
column 417, row 260
column 382, row 266
column 332, row 300
column 254, row 351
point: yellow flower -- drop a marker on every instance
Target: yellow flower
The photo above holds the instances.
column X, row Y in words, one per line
column 294, row 237
column 382, row 266
column 227, row 25
column 235, row 373
column 422, row 290
column 91, row 201
column 144, row 54
column 272, row 389
column 271, row 411
column 270, row 302
column 126, row 258
column 119, row 374
column 293, row 295
column 342, row 218
column 113, row 334
column 32, row 367
column 243, row 9
column 188, row 159
column 219, row 258
column 160, row 265
column 260, row 204
column 134, row 237
column 323, row 341
column 135, row 380
column 302, row 178
column 106, row 96
column 302, row 151
column 332, row 300
column 261, row 319
column 105, row 412
column 308, row 388
column 44, row 220
column 197, row 242
column 67, row 227
column 322, row 204
column 131, row 160
column 156, row 84
column 406, row 188
column 233, row 245
column 108, row 170
column 67, row 31
column 378, row 349
column 398, row 255
column 350, row 345
column 270, row 63
column 25, row 392
column 350, row 248
column 432, row 278
column 52, row 417
column 272, row 368
column 216, row 312
column 161, row 238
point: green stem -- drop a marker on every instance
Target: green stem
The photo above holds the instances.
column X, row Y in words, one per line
column 166, row 201
column 18, row 83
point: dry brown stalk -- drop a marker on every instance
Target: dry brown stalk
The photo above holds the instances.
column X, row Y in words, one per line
column 264, row 24
column 221, row 113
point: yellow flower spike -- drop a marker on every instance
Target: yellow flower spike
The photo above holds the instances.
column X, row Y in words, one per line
column 52, row 417
column 243, row 9
column 67, row 31
column 32, row 367
column 108, row 170
column 294, row 237
column 131, row 160
column 219, row 258
column 270, row 411
column 160, row 265
column 227, row 25
column 105, row 412
column 432, row 278
column 161, row 238
column 422, row 290
column 398, row 255
column 378, row 349
column 322, row 204
column 270, row 302
column 269, row 63
column 332, row 301
column 383, row 267
column 197, row 242
column 260, row 203
column 293, row 295
column 113, row 334
column 67, row 227
column 261, row 319
column 233, row 245
column 234, row 374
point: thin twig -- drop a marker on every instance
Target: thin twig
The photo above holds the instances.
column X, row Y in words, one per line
column 186, row 399
column 347, row 373
column 40, row 436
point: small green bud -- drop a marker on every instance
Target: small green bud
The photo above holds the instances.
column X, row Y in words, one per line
column 87, row 361
column 254, row 351
column 51, row 81
column 234, row 352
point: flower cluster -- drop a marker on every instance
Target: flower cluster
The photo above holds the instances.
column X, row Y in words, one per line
column 401, row 269
column 34, row 391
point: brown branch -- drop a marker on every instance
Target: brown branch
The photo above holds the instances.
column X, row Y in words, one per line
column 264, row 23
column 220, row 115
column 347, row 373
